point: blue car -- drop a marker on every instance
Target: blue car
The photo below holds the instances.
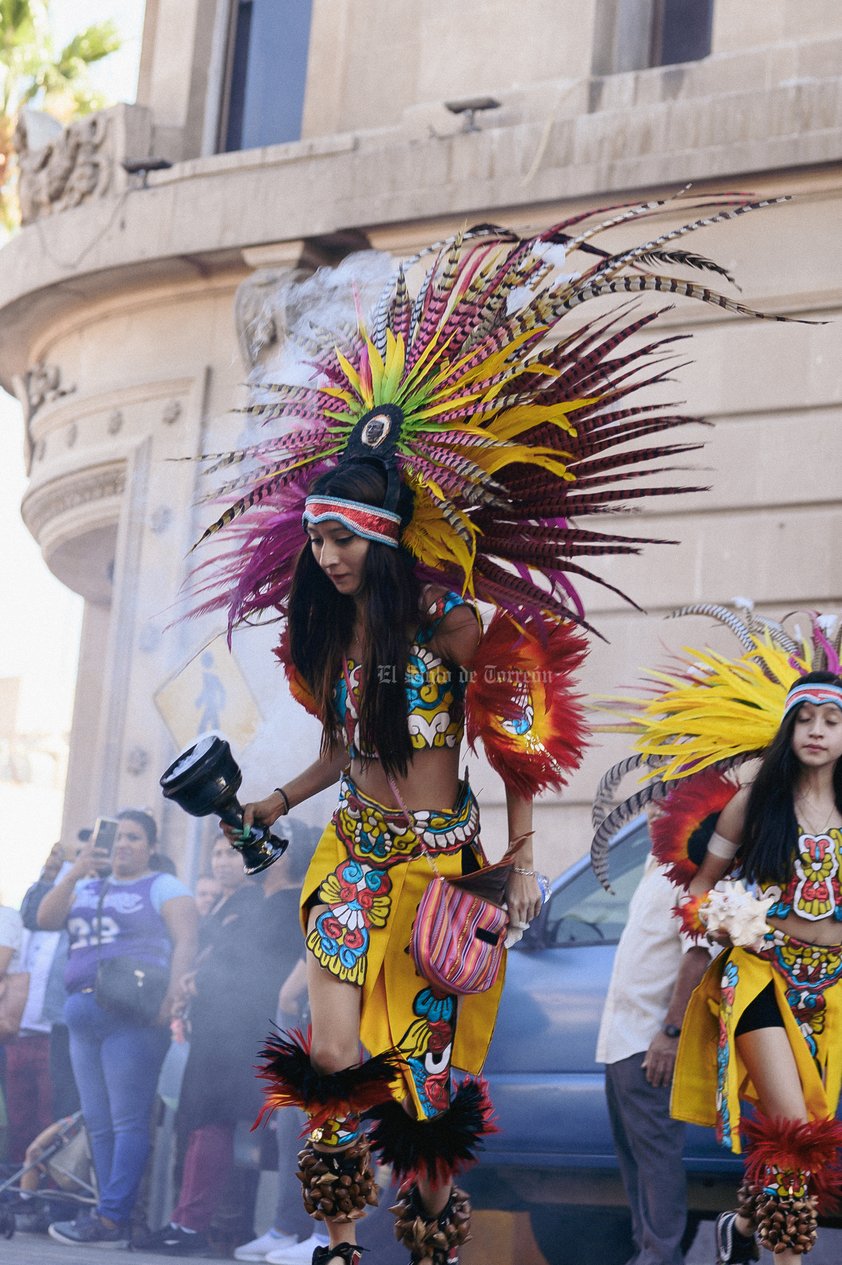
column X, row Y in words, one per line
column 554, row 1151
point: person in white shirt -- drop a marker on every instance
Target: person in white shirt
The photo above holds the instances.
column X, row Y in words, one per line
column 655, row 971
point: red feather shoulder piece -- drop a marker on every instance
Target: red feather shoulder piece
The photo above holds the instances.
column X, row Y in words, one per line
column 522, row 704
column 298, row 688
column 685, row 810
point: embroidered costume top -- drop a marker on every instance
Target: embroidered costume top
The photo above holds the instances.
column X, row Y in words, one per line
column 815, row 890
column 435, row 694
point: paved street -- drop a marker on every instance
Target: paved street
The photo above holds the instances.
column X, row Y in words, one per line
column 500, row 1239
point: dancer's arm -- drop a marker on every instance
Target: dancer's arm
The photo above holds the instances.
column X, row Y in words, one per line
column 523, row 895
column 318, row 776
column 457, row 635
column 730, row 827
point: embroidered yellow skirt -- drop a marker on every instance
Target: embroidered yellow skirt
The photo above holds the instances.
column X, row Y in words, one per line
column 370, row 872
column 711, row 1078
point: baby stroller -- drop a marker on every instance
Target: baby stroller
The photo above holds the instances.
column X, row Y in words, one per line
column 62, row 1155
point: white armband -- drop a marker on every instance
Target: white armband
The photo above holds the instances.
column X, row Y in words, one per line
column 719, row 846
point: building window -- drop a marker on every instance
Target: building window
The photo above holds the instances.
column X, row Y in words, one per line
column 267, row 73
column 681, row 31
column 636, row 34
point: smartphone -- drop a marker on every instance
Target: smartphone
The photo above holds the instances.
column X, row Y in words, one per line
column 105, row 831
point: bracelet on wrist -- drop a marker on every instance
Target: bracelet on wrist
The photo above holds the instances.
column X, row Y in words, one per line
column 279, row 790
column 541, row 879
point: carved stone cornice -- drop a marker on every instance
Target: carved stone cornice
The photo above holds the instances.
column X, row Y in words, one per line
column 81, row 163
column 41, row 384
column 278, row 305
column 59, row 496
column 255, row 315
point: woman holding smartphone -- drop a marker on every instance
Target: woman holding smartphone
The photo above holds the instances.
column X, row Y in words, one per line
column 132, row 913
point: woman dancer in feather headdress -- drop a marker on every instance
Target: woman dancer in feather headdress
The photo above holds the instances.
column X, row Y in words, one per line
column 777, row 1040
column 764, row 1025
column 385, row 657
column 439, row 457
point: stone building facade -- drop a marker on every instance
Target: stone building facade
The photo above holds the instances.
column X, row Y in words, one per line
column 135, row 303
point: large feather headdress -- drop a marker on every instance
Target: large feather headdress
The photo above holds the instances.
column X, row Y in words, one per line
column 696, row 721
column 517, row 434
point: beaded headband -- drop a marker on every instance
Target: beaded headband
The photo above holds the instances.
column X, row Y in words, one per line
column 367, row 521
column 812, row 693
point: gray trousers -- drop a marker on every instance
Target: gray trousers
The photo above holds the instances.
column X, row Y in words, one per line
column 649, row 1145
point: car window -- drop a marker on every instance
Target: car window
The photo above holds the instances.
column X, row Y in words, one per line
column 582, row 912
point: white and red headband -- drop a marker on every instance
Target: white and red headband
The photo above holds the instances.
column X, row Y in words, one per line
column 367, row 521
column 812, row 692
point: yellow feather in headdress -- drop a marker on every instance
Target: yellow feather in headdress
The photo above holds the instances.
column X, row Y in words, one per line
column 711, row 709
column 514, row 431
column 431, row 539
column 395, row 360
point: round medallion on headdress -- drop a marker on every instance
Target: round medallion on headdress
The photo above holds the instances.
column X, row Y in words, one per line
column 376, row 430
column 375, row 438
column 376, row 433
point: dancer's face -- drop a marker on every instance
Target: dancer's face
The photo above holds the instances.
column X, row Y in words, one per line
column 340, row 554
column 817, row 735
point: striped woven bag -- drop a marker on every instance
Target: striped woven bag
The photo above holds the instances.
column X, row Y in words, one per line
column 458, row 937
column 457, row 940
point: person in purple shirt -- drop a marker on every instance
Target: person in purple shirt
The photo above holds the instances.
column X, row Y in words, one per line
column 149, row 917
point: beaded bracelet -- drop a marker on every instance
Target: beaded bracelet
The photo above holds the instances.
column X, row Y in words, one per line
column 279, row 790
column 518, row 869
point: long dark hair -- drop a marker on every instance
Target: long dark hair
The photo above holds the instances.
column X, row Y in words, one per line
column 321, row 623
column 767, row 851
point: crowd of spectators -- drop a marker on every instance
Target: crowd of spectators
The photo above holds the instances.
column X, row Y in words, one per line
column 120, row 962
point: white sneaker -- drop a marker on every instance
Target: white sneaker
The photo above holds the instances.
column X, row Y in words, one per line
column 258, row 1249
column 299, row 1254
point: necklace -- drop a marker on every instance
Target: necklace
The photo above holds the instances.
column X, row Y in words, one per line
column 356, row 646
column 804, row 802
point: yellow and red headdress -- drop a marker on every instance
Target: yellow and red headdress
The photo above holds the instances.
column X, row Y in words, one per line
column 697, row 721
column 517, row 426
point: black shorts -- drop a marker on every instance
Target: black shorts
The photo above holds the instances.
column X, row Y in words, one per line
column 763, row 1012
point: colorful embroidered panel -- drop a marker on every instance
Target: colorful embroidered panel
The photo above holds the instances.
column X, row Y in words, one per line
column 382, row 837
column 427, row 1045
column 730, row 978
column 814, row 891
column 808, row 970
column 434, row 695
column 358, row 892
column 357, row 897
